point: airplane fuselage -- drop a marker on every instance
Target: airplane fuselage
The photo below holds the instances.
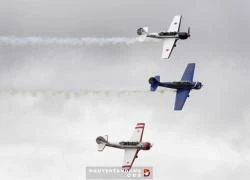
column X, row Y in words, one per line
column 165, row 35
column 177, row 84
column 130, row 145
column 181, row 85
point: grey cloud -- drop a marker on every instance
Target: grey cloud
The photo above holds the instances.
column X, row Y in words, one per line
column 49, row 124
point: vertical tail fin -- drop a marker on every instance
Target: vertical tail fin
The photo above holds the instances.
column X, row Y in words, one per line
column 101, row 141
column 154, row 83
column 142, row 32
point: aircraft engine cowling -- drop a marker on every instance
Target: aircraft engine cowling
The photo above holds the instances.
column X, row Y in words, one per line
column 183, row 35
column 198, row 85
column 147, row 146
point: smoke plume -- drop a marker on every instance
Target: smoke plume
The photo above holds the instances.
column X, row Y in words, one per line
column 80, row 41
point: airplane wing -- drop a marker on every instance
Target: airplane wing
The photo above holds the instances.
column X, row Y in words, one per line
column 181, row 96
column 175, row 24
column 131, row 154
column 188, row 73
column 138, row 132
column 129, row 158
column 168, row 46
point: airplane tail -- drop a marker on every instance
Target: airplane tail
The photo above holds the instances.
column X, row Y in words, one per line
column 154, row 82
column 101, row 141
column 142, row 32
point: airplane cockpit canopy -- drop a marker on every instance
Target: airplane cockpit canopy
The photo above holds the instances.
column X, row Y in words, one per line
column 167, row 33
column 129, row 143
column 181, row 83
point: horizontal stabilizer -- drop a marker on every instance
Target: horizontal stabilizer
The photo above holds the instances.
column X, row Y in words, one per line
column 142, row 32
column 101, row 147
column 154, row 83
column 142, row 38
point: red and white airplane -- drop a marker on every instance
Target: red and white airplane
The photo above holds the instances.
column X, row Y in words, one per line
column 131, row 147
column 170, row 37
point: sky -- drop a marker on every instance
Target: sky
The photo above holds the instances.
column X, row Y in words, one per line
column 73, row 70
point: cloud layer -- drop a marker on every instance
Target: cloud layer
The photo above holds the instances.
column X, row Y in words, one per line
column 57, row 95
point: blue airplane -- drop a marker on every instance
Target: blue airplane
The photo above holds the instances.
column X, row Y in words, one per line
column 183, row 87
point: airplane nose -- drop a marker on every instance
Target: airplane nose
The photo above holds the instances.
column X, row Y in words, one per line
column 200, row 85
column 147, row 146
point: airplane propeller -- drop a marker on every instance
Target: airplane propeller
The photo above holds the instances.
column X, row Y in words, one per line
column 189, row 31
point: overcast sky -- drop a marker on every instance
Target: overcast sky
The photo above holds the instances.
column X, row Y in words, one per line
column 49, row 135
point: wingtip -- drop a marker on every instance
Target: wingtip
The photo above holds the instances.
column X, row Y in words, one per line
column 177, row 109
column 164, row 57
column 126, row 168
column 193, row 64
column 140, row 125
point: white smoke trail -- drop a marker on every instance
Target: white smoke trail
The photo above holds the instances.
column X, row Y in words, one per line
column 79, row 93
column 37, row 40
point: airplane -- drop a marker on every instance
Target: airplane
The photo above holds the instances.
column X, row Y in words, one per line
column 131, row 147
column 183, row 87
column 170, row 37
